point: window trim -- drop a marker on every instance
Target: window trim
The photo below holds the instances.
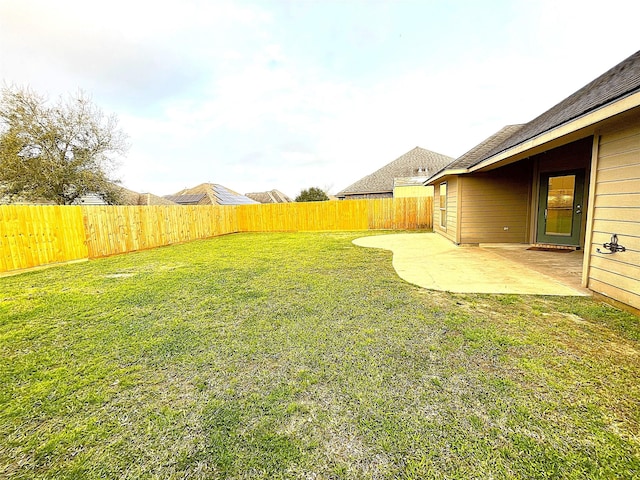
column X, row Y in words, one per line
column 443, row 208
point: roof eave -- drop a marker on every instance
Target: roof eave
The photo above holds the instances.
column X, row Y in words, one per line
column 445, row 173
column 584, row 121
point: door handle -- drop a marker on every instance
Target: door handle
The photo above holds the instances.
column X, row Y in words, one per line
column 578, row 209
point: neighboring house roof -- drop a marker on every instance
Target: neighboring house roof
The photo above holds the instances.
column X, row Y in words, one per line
column 215, row 195
column 22, row 201
column 416, row 162
column 129, row 197
column 151, row 199
column 615, row 84
column 192, row 199
column 272, row 196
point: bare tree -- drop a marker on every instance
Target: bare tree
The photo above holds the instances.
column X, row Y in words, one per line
column 59, row 152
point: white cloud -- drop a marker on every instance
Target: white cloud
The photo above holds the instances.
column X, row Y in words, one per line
column 128, row 48
column 287, row 96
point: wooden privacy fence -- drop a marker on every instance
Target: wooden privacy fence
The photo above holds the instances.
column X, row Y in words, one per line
column 388, row 213
column 113, row 230
column 33, row 235
column 39, row 235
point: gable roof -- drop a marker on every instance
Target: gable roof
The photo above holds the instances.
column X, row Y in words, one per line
column 480, row 151
column 416, row 162
column 615, row 84
column 216, row 194
column 272, row 196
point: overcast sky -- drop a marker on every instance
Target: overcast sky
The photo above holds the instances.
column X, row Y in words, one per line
column 257, row 95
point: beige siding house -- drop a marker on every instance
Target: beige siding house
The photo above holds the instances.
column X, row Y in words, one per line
column 570, row 178
column 407, row 187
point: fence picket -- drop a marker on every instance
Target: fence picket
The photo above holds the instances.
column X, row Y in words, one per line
column 33, row 235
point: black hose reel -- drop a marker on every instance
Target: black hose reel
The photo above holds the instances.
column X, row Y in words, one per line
column 612, row 246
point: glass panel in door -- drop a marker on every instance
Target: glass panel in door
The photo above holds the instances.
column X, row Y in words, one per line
column 560, row 197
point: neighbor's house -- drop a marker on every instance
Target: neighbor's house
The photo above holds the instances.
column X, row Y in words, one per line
column 272, row 196
column 209, row 194
column 127, row 197
column 568, row 178
column 411, row 187
column 415, row 165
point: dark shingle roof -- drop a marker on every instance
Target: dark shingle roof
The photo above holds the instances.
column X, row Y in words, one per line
column 618, row 82
column 480, row 151
column 416, row 162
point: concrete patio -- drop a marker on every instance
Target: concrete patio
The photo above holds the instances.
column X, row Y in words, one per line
column 430, row 261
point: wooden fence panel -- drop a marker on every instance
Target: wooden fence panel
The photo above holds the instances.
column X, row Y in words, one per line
column 32, row 235
column 39, row 235
column 304, row 216
column 114, row 229
column 380, row 215
column 424, row 213
column 412, row 213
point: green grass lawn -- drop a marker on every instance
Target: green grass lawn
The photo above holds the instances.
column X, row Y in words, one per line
column 304, row 356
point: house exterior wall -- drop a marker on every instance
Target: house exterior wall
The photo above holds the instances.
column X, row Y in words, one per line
column 571, row 156
column 413, row 191
column 616, row 209
column 494, row 206
column 450, row 228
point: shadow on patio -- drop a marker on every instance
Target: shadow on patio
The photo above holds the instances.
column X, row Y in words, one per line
column 431, row 261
